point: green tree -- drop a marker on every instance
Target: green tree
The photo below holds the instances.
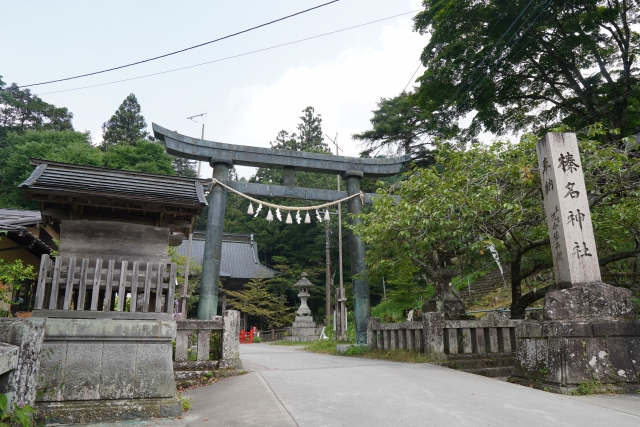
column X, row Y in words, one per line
column 12, row 276
column 399, row 126
column 184, row 167
column 62, row 146
column 142, row 156
column 255, row 300
column 523, row 65
column 21, row 110
column 449, row 214
column 126, row 126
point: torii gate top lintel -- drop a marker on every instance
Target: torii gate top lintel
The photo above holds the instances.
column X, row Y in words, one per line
column 244, row 155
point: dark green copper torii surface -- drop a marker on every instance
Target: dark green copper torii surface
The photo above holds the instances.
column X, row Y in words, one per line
column 221, row 156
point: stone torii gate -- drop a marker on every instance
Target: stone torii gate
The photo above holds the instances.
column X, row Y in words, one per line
column 222, row 157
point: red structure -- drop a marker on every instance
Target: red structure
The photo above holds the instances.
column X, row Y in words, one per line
column 246, row 337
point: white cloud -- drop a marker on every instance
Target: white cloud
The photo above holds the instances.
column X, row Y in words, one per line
column 344, row 91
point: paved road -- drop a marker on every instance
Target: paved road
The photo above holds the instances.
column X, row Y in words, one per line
column 290, row 387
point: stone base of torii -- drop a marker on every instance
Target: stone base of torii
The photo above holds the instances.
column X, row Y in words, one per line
column 588, row 337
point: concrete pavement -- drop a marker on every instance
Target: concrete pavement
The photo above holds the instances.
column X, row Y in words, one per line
column 288, row 387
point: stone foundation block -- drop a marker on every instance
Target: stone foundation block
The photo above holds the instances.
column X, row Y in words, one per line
column 85, row 412
column 19, row 376
column 573, row 352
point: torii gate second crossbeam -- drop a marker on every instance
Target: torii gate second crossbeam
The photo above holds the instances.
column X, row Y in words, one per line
column 222, row 156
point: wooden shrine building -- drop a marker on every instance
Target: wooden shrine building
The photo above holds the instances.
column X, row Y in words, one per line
column 122, row 220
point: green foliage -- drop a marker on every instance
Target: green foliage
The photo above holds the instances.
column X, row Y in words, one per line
column 20, row 110
column 195, row 273
column 62, row 146
column 70, row 147
column 20, row 415
column 586, row 388
column 450, row 213
column 12, row 275
column 571, row 62
column 127, row 125
column 140, row 156
column 255, row 300
column 398, row 126
column 185, row 402
column 257, row 340
column 184, row 167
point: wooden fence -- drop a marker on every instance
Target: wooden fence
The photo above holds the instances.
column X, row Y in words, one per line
column 273, row 335
column 205, row 335
column 84, row 284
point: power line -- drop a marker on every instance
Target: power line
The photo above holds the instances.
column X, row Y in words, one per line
column 414, row 73
column 232, row 56
column 182, row 50
column 499, row 60
column 491, row 52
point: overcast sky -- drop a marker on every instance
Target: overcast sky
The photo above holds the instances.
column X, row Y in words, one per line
column 247, row 99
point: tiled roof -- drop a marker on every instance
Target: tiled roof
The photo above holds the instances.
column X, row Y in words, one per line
column 68, row 179
column 19, row 217
column 14, row 222
column 239, row 258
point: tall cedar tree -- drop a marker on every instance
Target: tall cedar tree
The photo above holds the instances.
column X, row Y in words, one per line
column 522, row 65
column 126, row 126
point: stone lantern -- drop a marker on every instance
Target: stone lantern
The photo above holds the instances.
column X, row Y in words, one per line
column 304, row 285
column 303, row 328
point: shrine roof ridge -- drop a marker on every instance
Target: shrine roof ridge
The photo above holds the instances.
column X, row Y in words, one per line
column 243, row 155
column 50, row 177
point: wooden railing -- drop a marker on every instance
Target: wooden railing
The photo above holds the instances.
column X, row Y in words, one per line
column 271, row 335
column 205, row 335
column 97, row 285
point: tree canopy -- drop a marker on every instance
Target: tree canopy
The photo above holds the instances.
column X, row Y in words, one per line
column 451, row 213
column 400, row 126
column 524, row 65
column 20, row 110
column 126, row 126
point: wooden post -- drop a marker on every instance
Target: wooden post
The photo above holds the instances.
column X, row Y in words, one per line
column 134, row 287
column 82, row 288
column 184, row 293
column 95, row 293
column 55, row 282
column 122, row 294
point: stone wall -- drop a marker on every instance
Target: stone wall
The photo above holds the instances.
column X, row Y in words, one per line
column 559, row 356
column 120, row 368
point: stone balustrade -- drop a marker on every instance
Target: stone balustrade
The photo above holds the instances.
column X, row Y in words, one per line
column 437, row 336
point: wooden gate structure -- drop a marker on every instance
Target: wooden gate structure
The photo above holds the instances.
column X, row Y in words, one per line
column 222, row 157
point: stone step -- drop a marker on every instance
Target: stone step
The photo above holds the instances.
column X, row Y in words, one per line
column 488, row 365
column 503, row 371
column 190, row 375
column 196, row 365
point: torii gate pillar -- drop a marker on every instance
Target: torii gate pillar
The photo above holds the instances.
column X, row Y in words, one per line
column 361, row 301
column 208, row 305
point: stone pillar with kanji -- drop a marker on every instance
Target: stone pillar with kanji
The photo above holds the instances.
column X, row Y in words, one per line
column 587, row 334
column 573, row 244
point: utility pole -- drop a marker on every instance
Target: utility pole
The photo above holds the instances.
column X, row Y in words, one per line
column 341, row 307
column 192, row 118
column 184, row 294
column 327, row 232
